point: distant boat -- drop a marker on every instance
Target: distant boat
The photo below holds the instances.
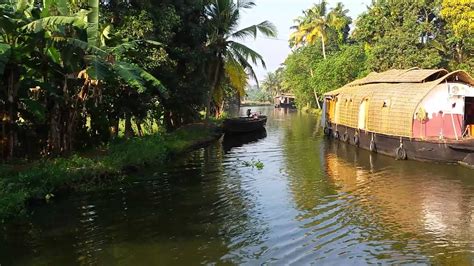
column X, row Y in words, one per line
column 244, row 124
column 285, row 100
column 420, row 114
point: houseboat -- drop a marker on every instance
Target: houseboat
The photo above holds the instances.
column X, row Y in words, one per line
column 419, row 114
column 285, row 100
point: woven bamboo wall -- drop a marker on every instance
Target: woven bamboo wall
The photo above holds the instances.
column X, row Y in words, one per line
column 395, row 118
column 391, row 106
column 401, row 101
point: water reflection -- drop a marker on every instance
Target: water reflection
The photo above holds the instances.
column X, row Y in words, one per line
column 425, row 208
column 315, row 201
column 238, row 140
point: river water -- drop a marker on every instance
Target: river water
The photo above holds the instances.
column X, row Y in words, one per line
column 315, row 201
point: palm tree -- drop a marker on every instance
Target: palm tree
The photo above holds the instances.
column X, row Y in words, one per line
column 228, row 55
column 272, row 82
column 340, row 21
column 317, row 23
column 312, row 25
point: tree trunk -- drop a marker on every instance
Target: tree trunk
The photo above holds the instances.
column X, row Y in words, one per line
column 114, row 128
column 324, row 47
column 128, row 126
column 12, row 91
column 139, row 128
column 71, row 116
column 314, row 91
column 220, row 109
column 214, row 85
column 54, row 135
column 316, row 98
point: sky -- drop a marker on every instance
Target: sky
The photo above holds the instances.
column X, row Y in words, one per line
column 282, row 13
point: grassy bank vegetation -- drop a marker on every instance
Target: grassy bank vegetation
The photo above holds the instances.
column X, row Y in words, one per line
column 41, row 180
column 312, row 111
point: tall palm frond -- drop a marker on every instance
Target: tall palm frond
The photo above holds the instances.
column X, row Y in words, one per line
column 238, row 78
column 223, row 18
column 246, row 53
column 316, row 24
column 266, row 28
column 245, row 4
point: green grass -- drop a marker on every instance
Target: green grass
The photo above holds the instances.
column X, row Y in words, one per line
column 42, row 179
column 312, row 111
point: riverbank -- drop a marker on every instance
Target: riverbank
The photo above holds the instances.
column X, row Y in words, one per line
column 312, row 111
column 252, row 103
column 40, row 181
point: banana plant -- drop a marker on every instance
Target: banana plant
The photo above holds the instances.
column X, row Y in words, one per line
column 24, row 39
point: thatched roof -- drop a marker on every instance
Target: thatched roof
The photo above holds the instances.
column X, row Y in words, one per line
column 401, row 90
column 412, row 75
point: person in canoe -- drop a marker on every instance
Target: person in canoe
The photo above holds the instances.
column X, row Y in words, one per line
column 254, row 115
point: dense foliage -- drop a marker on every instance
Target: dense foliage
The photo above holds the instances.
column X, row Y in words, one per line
column 390, row 34
column 256, row 94
column 78, row 73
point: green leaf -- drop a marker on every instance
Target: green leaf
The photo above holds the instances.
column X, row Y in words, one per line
column 53, row 22
column 22, row 5
column 5, row 52
column 63, row 6
column 138, row 78
column 246, row 53
column 105, row 35
column 54, row 54
column 35, row 108
column 266, row 28
column 99, row 69
column 92, row 49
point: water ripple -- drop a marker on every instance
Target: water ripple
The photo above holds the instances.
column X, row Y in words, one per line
column 316, row 201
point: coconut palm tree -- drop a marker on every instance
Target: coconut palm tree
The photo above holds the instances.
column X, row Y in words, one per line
column 339, row 20
column 227, row 55
column 312, row 25
column 316, row 23
column 272, row 82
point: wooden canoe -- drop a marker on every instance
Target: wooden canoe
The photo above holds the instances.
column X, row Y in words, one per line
column 244, row 124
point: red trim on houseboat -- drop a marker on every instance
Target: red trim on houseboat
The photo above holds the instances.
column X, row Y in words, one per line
column 437, row 124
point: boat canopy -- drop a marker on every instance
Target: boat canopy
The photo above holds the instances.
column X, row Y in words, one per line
column 401, row 91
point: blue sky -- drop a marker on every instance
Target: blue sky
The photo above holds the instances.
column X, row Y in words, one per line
column 282, row 13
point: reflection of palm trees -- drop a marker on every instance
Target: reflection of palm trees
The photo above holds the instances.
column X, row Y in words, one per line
column 240, row 221
column 303, row 165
